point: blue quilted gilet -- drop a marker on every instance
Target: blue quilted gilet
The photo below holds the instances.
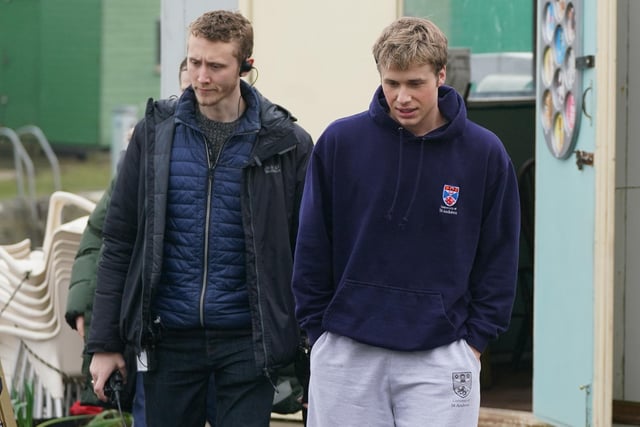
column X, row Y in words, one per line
column 203, row 282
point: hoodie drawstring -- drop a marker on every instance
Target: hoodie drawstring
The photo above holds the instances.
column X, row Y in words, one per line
column 405, row 218
column 416, row 183
column 389, row 215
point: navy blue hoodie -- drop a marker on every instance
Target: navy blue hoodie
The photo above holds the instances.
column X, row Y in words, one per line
column 408, row 243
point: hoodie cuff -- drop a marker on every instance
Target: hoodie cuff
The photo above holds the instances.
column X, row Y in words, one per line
column 478, row 342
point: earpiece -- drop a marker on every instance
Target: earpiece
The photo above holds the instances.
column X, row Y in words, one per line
column 245, row 67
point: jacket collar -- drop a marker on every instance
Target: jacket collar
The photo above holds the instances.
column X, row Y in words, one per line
column 271, row 122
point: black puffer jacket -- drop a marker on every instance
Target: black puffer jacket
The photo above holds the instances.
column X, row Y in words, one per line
column 134, row 233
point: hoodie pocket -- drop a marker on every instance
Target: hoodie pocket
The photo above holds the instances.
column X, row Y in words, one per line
column 389, row 316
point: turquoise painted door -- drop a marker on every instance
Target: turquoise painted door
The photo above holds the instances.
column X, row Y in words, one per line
column 564, row 254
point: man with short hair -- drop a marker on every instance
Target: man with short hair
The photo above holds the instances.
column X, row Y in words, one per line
column 407, row 249
column 199, row 238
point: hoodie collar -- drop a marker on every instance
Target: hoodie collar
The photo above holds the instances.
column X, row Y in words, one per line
column 451, row 106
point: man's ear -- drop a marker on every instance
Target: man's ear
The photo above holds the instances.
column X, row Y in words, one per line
column 246, row 66
column 442, row 76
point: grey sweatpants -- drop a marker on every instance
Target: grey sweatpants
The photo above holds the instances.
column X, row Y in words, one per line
column 358, row 385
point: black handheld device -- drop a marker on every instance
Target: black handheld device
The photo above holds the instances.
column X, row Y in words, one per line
column 113, row 388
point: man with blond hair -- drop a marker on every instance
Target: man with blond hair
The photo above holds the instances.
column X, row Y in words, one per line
column 407, row 249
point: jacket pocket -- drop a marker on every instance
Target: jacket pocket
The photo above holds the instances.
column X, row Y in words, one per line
column 389, row 316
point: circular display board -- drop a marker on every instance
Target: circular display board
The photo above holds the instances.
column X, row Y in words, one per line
column 560, row 89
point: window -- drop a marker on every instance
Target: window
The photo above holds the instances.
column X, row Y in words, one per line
column 498, row 36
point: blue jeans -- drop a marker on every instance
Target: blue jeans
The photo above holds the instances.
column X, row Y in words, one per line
column 176, row 387
column 138, row 403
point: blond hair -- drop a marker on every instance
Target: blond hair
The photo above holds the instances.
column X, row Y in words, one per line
column 411, row 41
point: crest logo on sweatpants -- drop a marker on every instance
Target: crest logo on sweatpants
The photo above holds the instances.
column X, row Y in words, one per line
column 461, row 382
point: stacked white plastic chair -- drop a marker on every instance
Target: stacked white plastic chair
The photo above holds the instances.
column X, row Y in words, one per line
column 34, row 337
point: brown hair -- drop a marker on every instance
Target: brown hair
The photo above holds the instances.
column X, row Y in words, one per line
column 225, row 26
column 409, row 41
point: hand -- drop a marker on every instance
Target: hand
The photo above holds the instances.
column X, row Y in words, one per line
column 80, row 325
column 101, row 368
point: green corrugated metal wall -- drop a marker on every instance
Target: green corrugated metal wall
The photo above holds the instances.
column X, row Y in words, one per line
column 70, row 71
column 66, row 64
column 19, row 50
